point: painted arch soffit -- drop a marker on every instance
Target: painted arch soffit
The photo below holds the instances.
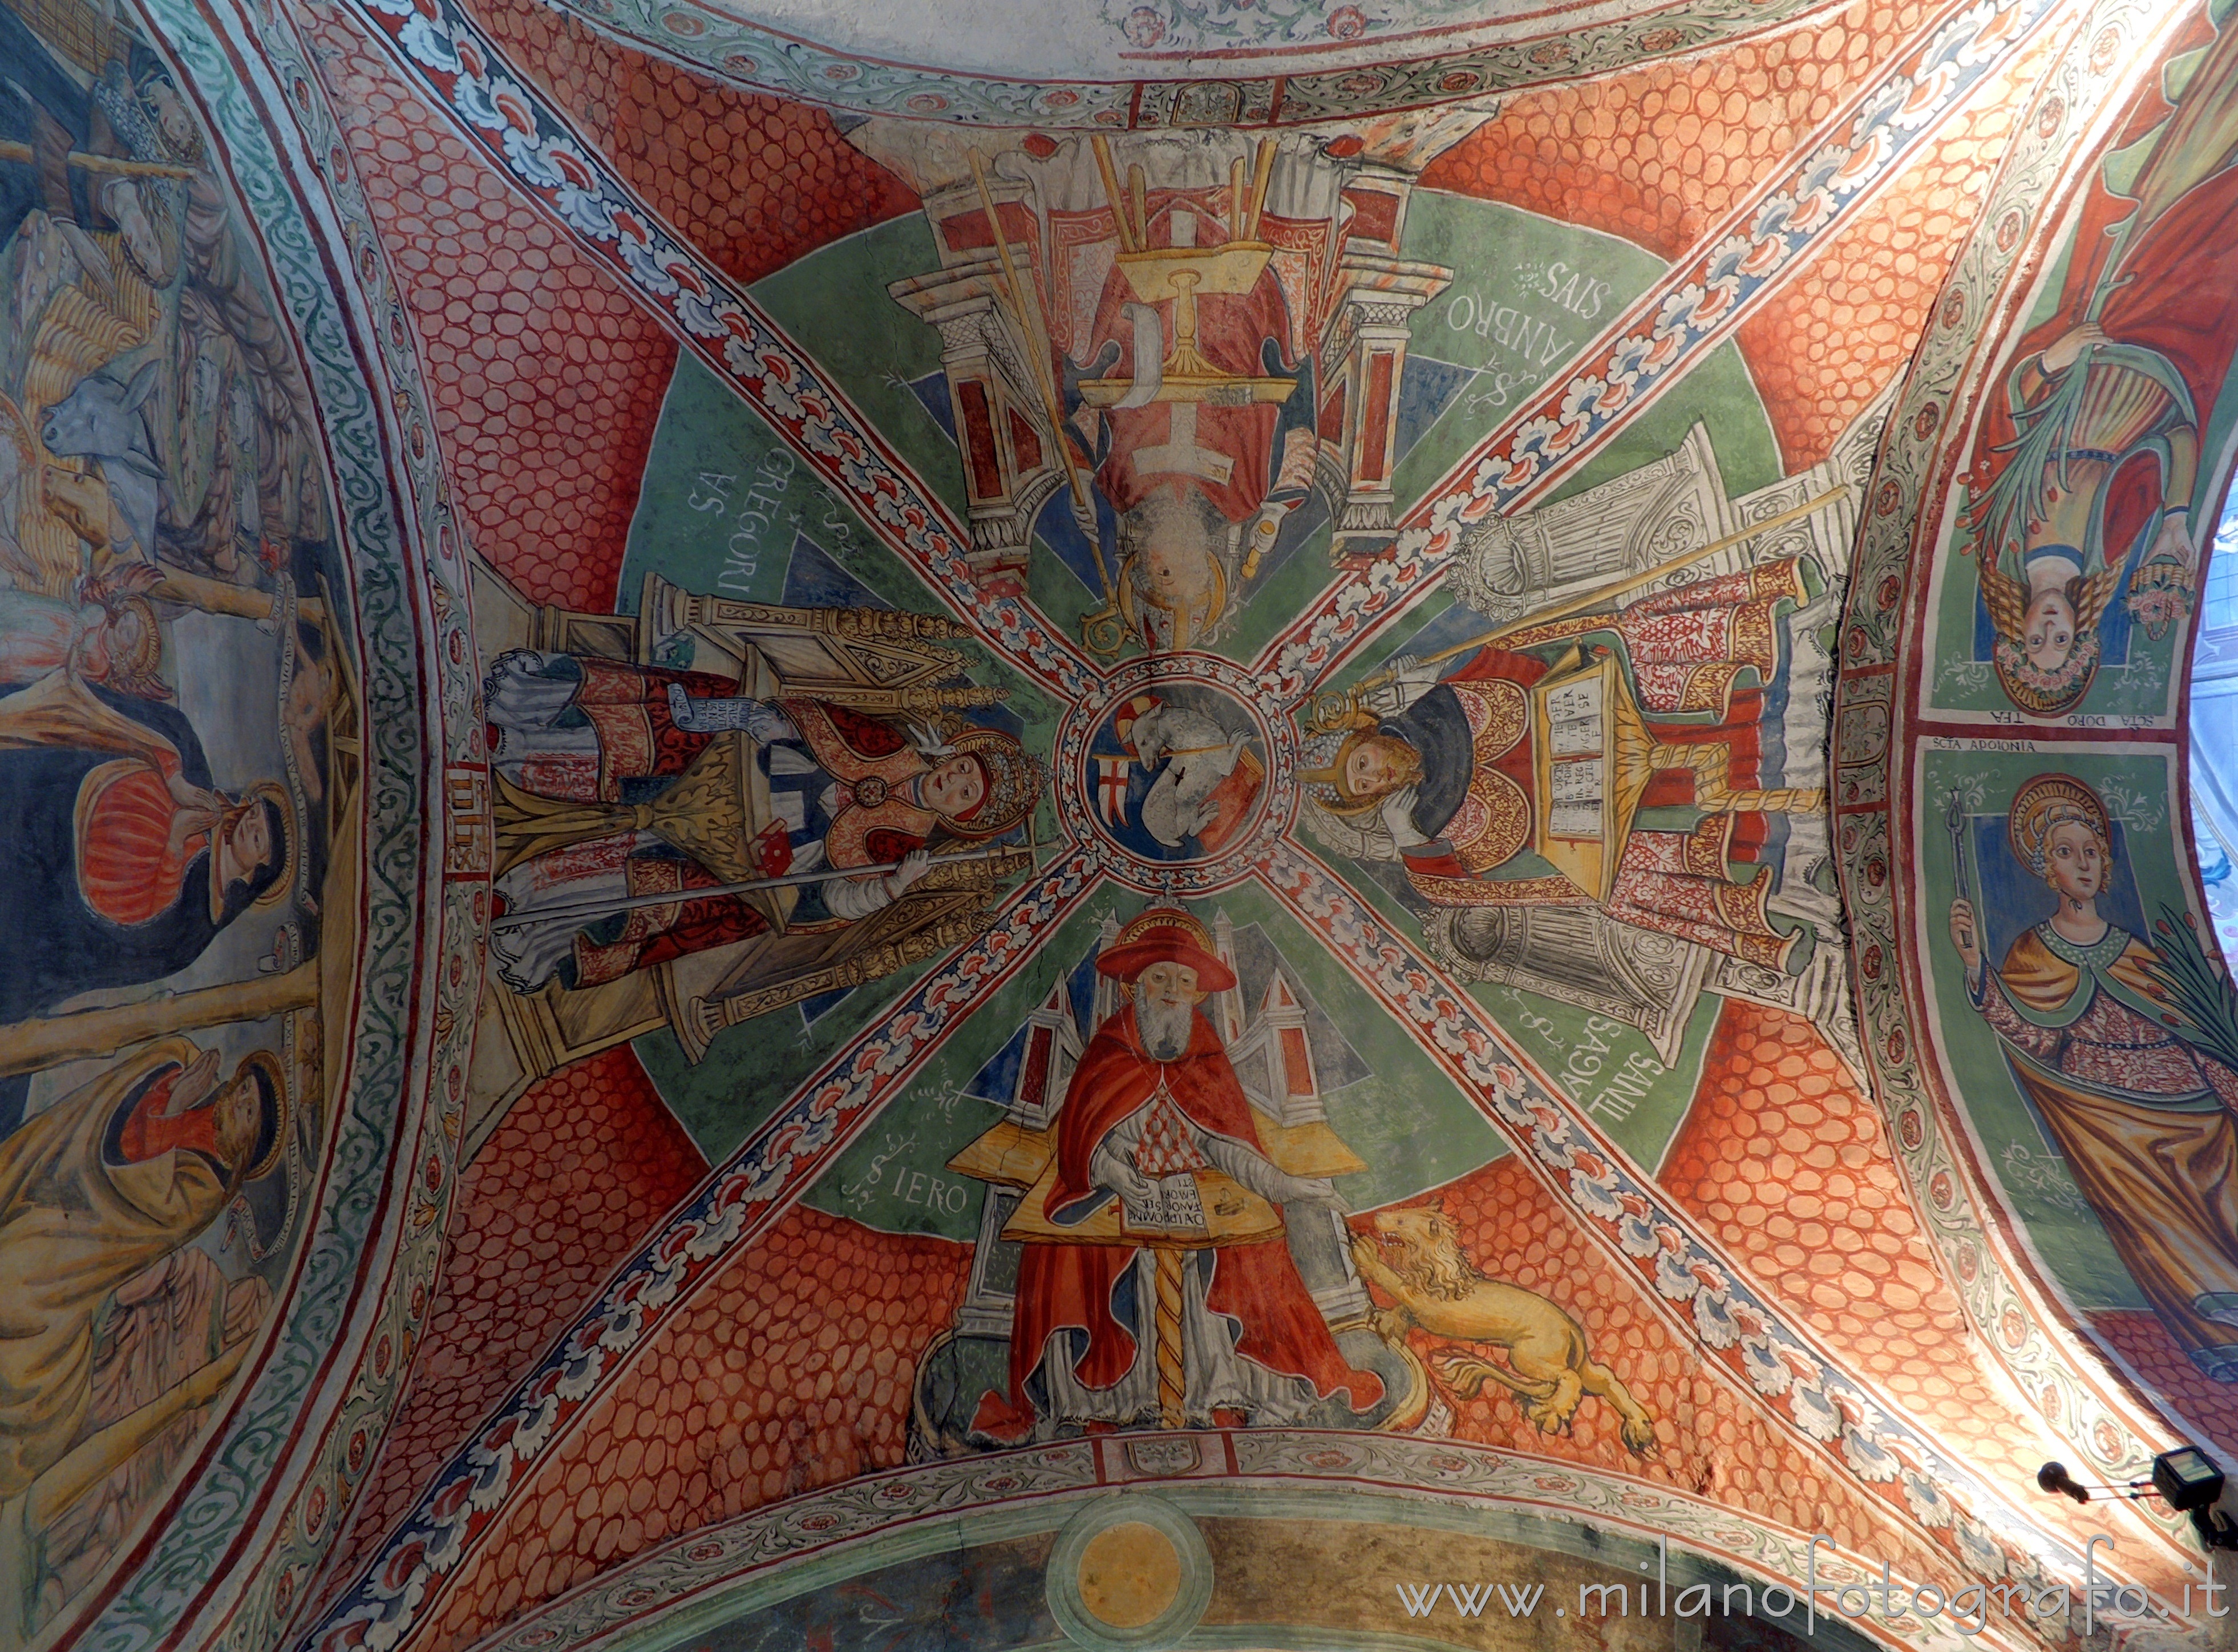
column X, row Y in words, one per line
column 1948, row 746
column 728, row 1571
column 1163, row 64
column 240, row 568
column 925, row 507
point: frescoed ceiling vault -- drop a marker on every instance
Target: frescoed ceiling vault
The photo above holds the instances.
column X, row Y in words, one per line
column 1243, row 823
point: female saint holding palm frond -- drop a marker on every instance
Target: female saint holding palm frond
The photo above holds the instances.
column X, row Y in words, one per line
column 2132, row 1094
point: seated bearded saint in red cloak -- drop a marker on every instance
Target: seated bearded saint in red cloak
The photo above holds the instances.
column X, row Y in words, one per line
column 1154, row 1096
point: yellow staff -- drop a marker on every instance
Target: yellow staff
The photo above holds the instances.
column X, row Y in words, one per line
column 607, row 906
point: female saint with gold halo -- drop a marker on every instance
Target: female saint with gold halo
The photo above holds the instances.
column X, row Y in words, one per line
column 2141, row 1115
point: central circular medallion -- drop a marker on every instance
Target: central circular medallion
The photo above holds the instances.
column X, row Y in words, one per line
column 1129, row 1574
column 1178, row 774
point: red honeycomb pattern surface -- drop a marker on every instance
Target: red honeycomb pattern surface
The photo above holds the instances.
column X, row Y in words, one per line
column 546, row 377
column 1710, row 1440
column 1660, row 153
column 582, row 1165
column 1783, row 1161
column 754, row 182
column 1827, row 342
column 2167, row 1371
column 789, row 1372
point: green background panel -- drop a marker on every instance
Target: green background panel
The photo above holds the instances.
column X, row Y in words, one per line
column 737, row 537
column 2035, row 1184
column 1406, row 1119
column 1961, row 683
column 705, row 431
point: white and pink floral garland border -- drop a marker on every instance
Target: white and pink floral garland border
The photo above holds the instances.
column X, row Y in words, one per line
column 763, row 58
column 1688, row 313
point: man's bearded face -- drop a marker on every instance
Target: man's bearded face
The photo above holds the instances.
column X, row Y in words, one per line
column 240, row 1122
column 1170, row 555
column 1166, row 998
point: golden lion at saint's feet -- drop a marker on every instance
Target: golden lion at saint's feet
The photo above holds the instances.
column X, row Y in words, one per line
column 1415, row 1258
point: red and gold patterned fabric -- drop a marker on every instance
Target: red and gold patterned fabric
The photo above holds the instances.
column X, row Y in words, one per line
column 1688, row 648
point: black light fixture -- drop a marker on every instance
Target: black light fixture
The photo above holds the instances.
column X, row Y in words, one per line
column 2188, row 1477
column 2192, row 1482
column 2055, row 1478
column 2189, row 1480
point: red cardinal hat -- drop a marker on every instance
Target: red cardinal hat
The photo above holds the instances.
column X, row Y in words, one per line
column 1165, row 934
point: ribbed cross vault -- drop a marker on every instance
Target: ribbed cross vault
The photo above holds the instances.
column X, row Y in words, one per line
column 1220, row 823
